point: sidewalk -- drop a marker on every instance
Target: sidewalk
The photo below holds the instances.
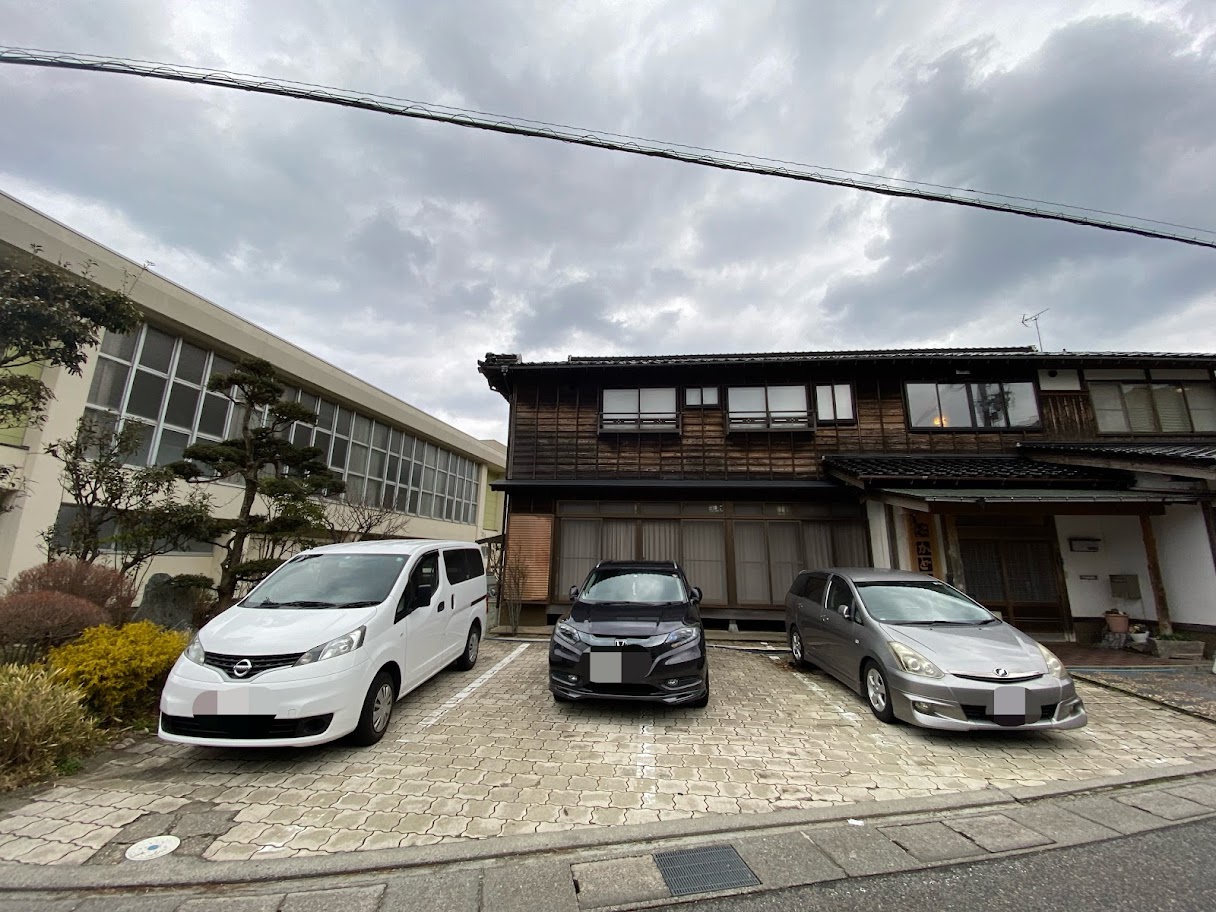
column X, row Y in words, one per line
column 633, row 867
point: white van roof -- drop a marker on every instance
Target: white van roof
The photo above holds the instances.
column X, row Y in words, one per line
column 404, row 546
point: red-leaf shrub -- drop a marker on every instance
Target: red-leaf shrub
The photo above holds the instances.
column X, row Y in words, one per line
column 32, row 622
column 101, row 585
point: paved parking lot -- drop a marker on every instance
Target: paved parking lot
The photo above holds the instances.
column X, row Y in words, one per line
column 488, row 752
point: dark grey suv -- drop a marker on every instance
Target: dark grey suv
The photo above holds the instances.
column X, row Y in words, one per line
column 633, row 633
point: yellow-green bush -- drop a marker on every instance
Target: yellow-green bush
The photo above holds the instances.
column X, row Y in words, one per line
column 42, row 724
column 120, row 670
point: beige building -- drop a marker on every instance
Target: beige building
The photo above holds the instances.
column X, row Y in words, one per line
column 434, row 477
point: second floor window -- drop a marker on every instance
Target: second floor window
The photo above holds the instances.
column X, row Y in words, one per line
column 767, row 408
column 988, row 405
column 834, row 403
column 1154, row 408
column 639, row 410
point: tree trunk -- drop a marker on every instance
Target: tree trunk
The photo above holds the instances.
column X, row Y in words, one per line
column 225, row 591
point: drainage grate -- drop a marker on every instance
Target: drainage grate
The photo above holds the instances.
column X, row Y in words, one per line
column 704, row 870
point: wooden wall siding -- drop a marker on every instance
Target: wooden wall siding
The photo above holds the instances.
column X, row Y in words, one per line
column 1068, row 416
column 556, row 436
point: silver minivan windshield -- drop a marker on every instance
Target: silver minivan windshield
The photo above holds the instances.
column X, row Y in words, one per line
column 915, row 603
column 329, row 581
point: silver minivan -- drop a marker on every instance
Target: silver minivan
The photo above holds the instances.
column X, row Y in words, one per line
column 921, row 651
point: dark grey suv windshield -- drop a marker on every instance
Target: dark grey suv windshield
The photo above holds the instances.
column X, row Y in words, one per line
column 920, row 603
column 643, row 587
column 329, row 581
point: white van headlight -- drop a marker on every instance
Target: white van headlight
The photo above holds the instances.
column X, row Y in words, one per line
column 339, row 646
column 194, row 651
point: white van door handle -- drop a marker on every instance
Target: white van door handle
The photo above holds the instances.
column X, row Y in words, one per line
column 440, row 608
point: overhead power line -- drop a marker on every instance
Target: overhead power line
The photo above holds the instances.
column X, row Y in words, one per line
column 616, row 142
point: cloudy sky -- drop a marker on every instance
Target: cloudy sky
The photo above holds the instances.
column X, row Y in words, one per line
column 402, row 251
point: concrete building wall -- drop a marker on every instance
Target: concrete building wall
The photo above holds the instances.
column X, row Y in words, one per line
column 1186, row 564
column 1087, row 575
column 178, row 311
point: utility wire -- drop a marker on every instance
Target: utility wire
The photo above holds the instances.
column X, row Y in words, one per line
column 616, row 142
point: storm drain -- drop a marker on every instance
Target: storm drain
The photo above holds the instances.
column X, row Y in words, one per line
column 704, row 870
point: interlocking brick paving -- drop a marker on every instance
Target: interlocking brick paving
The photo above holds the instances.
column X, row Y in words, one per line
column 1190, row 689
column 505, row 759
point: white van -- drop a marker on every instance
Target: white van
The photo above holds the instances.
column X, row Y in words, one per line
column 325, row 645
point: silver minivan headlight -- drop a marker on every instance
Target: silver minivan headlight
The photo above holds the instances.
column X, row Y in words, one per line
column 338, row 646
column 1055, row 667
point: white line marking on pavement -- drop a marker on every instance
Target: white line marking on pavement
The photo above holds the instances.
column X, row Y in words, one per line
column 441, row 711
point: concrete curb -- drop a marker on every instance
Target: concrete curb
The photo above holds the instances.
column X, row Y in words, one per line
column 170, row 872
column 1085, row 676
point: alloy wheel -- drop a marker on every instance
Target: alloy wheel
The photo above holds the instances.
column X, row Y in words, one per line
column 876, row 689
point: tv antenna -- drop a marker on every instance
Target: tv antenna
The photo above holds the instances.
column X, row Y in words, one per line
column 1034, row 318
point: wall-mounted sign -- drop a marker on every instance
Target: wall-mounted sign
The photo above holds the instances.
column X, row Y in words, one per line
column 1085, row 545
column 924, row 544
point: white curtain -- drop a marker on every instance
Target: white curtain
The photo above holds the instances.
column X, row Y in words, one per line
column 703, row 557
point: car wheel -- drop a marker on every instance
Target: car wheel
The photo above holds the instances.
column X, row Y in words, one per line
column 377, row 710
column 702, row 702
column 798, row 649
column 472, row 646
column 878, row 694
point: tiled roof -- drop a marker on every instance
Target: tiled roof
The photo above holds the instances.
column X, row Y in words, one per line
column 1021, row 353
column 1203, row 453
column 997, row 469
column 991, row 496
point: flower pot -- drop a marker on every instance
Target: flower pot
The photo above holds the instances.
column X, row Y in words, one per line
column 1118, row 623
column 1139, row 638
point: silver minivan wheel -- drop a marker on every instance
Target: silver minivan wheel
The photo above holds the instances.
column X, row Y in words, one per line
column 797, row 649
column 878, row 694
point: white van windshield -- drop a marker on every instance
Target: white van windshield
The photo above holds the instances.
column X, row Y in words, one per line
column 329, row 581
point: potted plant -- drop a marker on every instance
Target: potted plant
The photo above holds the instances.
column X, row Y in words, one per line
column 1138, row 634
column 1118, row 621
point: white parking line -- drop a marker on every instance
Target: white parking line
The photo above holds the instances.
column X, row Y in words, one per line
column 442, row 710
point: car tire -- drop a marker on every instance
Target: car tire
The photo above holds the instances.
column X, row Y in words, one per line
column 877, row 692
column 377, row 711
column 798, row 649
column 472, row 647
column 703, row 701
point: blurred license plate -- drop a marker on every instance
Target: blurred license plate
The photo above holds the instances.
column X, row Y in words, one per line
column 1009, row 703
column 605, row 668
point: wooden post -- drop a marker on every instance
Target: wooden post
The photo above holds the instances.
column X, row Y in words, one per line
column 955, row 574
column 1154, row 574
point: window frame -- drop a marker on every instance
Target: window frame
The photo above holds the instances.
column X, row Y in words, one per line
column 637, row 422
column 742, row 426
column 701, row 403
column 831, row 388
column 973, row 428
column 1118, row 387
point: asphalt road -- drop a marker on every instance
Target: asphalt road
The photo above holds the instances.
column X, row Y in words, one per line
column 1168, row 870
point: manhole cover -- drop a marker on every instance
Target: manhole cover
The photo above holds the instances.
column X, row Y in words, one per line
column 704, row 870
column 147, row 849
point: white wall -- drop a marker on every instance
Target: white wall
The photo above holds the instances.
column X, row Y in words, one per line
column 1186, row 564
column 1121, row 551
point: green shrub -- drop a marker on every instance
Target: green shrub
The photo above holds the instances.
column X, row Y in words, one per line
column 33, row 622
column 43, row 726
column 120, row 670
column 104, row 586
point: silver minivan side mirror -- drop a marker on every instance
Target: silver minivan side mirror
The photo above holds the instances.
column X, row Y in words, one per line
column 573, row 593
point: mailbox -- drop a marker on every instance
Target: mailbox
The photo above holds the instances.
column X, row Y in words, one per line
column 1124, row 586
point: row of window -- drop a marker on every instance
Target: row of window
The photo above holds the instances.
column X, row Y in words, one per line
column 1120, row 407
column 748, row 407
column 158, row 382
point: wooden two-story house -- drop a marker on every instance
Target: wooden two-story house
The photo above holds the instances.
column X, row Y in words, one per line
column 1050, row 486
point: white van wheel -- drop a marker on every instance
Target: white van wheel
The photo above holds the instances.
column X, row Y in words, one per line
column 472, row 646
column 377, row 710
